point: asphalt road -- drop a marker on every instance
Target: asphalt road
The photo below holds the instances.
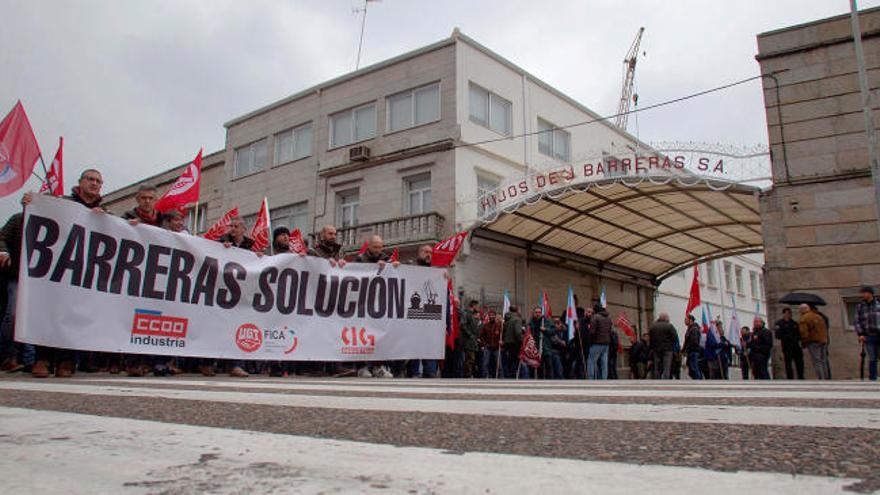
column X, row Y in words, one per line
column 107, row 434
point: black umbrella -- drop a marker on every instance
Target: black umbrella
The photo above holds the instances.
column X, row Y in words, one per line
column 794, row 298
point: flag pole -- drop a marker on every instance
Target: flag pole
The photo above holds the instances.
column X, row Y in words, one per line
column 45, row 172
column 269, row 227
column 38, row 177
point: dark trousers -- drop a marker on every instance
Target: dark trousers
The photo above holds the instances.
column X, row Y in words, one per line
column 793, row 354
column 759, row 362
column 744, row 365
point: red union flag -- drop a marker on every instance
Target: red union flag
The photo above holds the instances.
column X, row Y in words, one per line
column 185, row 191
column 444, row 252
column 296, row 243
column 19, row 151
column 54, row 184
column 694, row 299
column 260, row 232
column 222, row 226
column 624, row 324
column 528, row 354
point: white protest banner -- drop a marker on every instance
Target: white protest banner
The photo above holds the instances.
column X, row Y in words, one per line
column 91, row 281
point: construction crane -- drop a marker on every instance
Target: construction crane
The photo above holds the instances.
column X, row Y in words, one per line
column 629, row 73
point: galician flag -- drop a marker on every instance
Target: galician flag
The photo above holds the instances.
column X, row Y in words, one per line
column 505, row 308
column 570, row 314
column 602, row 299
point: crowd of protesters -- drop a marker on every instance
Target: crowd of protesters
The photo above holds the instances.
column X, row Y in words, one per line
column 488, row 345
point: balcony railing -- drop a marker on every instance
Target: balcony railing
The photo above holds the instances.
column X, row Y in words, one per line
column 395, row 231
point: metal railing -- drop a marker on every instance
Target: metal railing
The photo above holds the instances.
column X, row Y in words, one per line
column 394, row 231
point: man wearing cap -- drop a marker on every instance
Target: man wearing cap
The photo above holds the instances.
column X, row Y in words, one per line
column 868, row 327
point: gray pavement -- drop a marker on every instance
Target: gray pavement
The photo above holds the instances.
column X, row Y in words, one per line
column 107, row 434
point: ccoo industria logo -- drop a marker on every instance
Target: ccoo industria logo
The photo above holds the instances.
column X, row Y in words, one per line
column 152, row 328
column 428, row 309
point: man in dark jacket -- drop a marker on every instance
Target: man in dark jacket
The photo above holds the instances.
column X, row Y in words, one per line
column 760, row 348
column 745, row 364
column 579, row 346
column 692, row 347
column 613, row 346
column 512, row 342
column 662, row 336
column 490, row 340
column 375, row 253
column 145, row 212
column 87, row 193
column 789, row 334
column 469, row 328
column 638, row 358
column 543, row 330
column 600, row 338
column 326, row 247
column 867, row 325
column 12, row 355
column 428, row 367
column 237, row 237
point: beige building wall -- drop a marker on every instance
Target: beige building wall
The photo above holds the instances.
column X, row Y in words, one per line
column 819, row 218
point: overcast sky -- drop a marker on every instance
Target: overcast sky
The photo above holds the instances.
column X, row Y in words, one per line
column 136, row 87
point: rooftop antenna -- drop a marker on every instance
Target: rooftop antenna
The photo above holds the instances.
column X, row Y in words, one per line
column 363, row 12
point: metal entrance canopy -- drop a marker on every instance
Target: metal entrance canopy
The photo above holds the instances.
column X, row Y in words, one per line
column 654, row 225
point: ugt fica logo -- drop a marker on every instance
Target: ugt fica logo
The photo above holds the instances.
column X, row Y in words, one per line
column 248, row 337
column 357, row 341
column 251, row 338
column 155, row 329
column 430, row 310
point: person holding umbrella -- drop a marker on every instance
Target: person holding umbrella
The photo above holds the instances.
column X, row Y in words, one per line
column 868, row 327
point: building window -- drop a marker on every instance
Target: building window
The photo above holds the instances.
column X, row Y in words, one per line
column 485, row 186
column 849, row 315
column 490, row 110
column 347, row 203
column 728, row 276
column 740, row 286
column 352, row 126
column 293, row 144
column 250, row 159
column 711, row 276
column 753, row 283
column 295, row 216
column 202, row 219
column 414, row 107
column 553, row 141
column 418, row 194
column 761, row 287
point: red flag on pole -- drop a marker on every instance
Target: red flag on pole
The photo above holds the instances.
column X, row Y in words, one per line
column 545, row 306
column 444, row 252
column 395, row 255
column 528, row 353
column 54, row 184
column 452, row 328
column 260, row 232
column 185, row 191
column 296, row 244
column 222, row 226
column 694, row 299
column 363, row 248
column 624, row 324
column 19, row 150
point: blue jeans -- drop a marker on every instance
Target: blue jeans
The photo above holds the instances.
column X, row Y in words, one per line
column 23, row 353
column 694, row 365
column 428, row 368
column 872, row 346
column 597, row 365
